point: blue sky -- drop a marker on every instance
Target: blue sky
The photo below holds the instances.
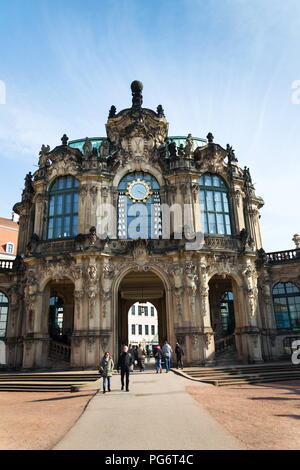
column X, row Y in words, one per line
column 225, row 66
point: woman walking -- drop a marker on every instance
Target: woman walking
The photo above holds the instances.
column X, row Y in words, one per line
column 106, row 369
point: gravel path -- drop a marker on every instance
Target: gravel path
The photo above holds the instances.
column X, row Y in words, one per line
column 37, row 421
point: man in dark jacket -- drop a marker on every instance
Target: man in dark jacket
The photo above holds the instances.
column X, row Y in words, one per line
column 124, row 363
column 179, row 355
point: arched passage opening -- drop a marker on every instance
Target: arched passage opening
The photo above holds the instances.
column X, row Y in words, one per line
column 59, row 303
column 222, row 300
column 142, row 290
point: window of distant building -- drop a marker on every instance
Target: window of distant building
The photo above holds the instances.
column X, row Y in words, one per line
column 146, row 330
column 133, row 329
column 153, row 329
column 63, row 208
column 214, row 205
column 9, row 247
column 140, row 329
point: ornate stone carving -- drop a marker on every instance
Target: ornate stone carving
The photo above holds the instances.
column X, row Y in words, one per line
column 191, row 278
column 87, row 148
column 208, row 339
column 250, row 276
column 195, row 341
column 78, row 295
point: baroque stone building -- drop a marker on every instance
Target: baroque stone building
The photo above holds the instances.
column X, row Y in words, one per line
column 104, row 219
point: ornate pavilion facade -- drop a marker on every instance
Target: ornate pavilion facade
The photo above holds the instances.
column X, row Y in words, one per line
column 141, row 216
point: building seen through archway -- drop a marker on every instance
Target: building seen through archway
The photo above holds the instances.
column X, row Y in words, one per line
column 143, row 324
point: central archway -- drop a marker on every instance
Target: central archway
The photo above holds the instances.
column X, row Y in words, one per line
column 137, row 286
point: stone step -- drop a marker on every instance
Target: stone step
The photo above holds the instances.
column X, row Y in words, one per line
column 246, row 374
column 238, row 369
column 250, row 380
column 48, row 378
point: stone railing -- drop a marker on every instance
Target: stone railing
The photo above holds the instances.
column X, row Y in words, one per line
column 6, row 265
column 225, row 344
column 221, row 243
column 60, row 351
column 53, row 246
column 283, row 256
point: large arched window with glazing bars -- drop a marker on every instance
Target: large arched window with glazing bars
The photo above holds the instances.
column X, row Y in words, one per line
column 63, row 208
column 286, row 301
column 214, row 205
column 139, row 206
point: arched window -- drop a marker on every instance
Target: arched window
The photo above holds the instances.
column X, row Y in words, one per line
column 3, row 314
column 63, row 208
column 214, row 205
column 139, row 211
column 286, row 300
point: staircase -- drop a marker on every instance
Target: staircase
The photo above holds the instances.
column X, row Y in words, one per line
column 44, row 381
column 244, row 374
column 226, row 353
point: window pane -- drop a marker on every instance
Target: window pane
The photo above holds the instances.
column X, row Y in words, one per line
column 67, row 226
column 208, row 181
column 291, row 288
column 3, row 298
column 212, row 223
column 225, row 202
column 220, row 223
column 74, row 225
column 210, row 201
column 58, row 227
column 51, row 206
column 68, row 203
column 50, row 229
column 216, row 181
column 75, row 203
column 59, row 204
column 218, row 201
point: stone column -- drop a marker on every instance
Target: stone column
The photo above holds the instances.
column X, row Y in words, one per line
column 209, row 342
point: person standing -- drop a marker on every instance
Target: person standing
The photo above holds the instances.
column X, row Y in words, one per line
column 106, row 369
column 148, row 353
column 167, row 352
column 158, row 357
column 124, row 364
column 179, row 355
column 141, row 358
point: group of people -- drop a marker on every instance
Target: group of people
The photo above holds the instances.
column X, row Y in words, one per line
column 137, row 354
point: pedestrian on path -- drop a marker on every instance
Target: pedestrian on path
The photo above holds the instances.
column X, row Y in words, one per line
column 158, row 358
column 106, row 370
column 141, row 354
column 148, row 353
column 179, row 355
column 167, row 352
column 124, row 363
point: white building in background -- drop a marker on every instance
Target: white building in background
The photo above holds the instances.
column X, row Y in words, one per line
column 142, row 324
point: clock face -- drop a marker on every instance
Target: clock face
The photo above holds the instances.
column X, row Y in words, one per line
column 139, row 190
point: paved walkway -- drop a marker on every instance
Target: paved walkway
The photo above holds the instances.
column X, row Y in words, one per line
column 156, row 414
